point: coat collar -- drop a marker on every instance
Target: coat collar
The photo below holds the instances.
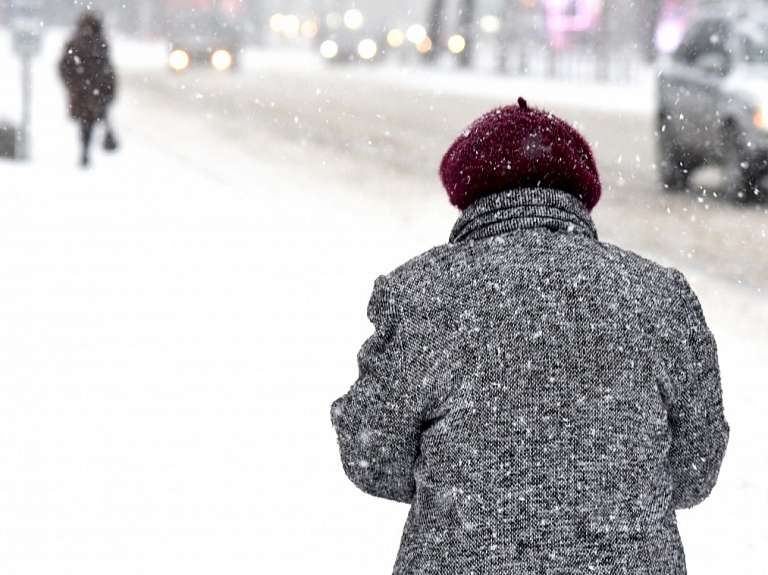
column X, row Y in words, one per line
column 521, row 209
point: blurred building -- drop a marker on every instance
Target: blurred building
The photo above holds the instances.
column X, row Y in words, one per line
column 514, row 33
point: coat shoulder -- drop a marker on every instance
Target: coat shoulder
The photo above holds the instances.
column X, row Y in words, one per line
column 425, row 266
column 629, row 259
column 435, row 263
column 651, row 273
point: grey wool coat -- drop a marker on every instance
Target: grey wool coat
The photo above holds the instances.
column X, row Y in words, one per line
column 542, row 400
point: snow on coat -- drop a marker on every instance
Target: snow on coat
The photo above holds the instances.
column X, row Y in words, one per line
column 87, row 71
column 543, row 401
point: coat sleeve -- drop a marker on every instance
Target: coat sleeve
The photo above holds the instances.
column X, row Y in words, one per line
column 66, row 65
column 699, row 429
column 107, row 74
column 378, row 420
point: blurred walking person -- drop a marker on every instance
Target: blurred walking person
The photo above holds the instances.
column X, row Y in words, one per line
column 89, row 77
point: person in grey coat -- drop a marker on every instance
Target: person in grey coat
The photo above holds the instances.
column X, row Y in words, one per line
column 544, row 401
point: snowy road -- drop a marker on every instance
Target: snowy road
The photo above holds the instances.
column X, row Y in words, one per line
column 406, row 121
column 175, row 322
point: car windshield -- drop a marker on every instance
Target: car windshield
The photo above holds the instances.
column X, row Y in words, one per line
column 199, row 25
column 756, row 42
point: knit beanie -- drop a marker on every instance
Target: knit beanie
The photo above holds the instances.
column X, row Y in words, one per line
column 518, row 146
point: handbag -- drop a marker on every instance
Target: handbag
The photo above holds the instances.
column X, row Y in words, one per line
column 110, row 141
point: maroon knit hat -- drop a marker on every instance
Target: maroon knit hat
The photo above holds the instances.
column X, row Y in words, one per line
column 518, row 146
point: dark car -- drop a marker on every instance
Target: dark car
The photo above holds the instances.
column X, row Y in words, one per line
column 203, row 38
column 713, row 102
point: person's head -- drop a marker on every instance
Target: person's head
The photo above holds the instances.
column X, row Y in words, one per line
column 90, row 24
column 515, row 147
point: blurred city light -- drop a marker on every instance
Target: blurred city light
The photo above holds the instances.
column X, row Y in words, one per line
column 668, row 35
column 490, row 24
column 221, row 60
column 424, row 46
column 457, row 43
column 760, row 118
column 276, row 22
column 309, row 29
column 334, row 21
column 291, row 26
column 178, row 60
column 416, row 33
column 353, row 19
column 395, row 38
column 367, row 49
column 329, row 49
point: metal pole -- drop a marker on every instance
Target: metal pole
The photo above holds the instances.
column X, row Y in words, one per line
column 26, row 106
column 436, row 18
column 468, row 30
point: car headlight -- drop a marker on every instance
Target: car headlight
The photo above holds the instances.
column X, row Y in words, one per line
column 221, row 60
column 353, row 19
column 178, row 60
column 367, row 49
column 329, row 49
column 760, row 116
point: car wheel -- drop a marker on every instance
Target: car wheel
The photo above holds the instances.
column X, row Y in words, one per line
column 739, row 176
column 672, row 170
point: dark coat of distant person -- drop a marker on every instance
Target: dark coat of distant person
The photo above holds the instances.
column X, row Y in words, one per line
column 544, row 401
column 87, row 71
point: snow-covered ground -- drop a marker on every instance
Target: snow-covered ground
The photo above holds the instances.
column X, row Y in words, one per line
column 175, row 322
